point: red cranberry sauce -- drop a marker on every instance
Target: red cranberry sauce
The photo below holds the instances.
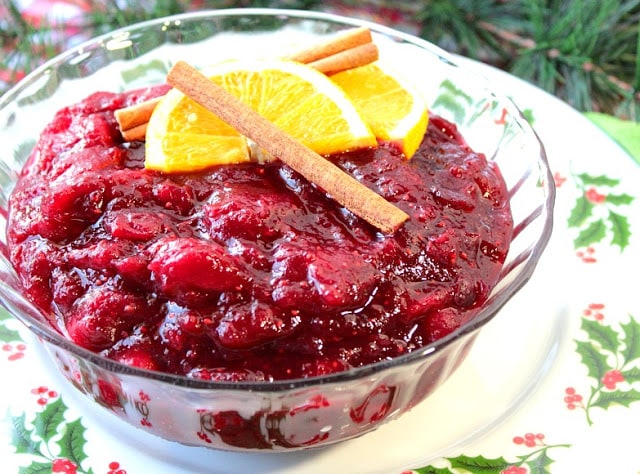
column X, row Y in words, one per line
column 248, row 272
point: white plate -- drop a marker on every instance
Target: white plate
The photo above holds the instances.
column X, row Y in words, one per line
column 509, row 405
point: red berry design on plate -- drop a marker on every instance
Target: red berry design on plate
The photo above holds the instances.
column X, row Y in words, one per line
column 502, row 120
column 530, row 440
column 12, row 345
column 558, row 179
column 572, row 398
column 595, row 311
column 143, row 396
column 514, row 470
column 15, row 351
column 594, row 196
column 587, row 255
column 64, row 466
column 114, row 468
column 612, row 378
column 44, row 394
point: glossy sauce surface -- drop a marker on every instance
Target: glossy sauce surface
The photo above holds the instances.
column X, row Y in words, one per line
column 248, row 272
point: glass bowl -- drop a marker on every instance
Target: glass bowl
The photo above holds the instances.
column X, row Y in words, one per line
column 292, row 414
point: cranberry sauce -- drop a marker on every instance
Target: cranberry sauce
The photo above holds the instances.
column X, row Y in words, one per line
column 248, row 272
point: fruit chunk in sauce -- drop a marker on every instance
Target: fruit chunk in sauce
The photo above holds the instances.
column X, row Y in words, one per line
column 248, row 272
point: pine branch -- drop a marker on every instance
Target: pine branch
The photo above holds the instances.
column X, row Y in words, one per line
column 583, row 52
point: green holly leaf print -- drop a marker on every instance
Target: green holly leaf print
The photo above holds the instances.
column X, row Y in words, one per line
column 154, row 68
column 580, row 212
column 600, row 180
column 594, row 360
column 594, row 233
column 539, row 464
column 432, row 470
column 619, row 199
column 631, row 332
column 479, row 464
column 72, row 442
column 528, row 116
column 8, row 335
column 21, row 436
column 452, row 99
column 620, row 229
column 607, row 338
column 616, row 397
column 47, row 421
column 36, row 468
column 631, row 375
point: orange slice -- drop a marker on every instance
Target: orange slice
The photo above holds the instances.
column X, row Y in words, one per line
column 183, row 137
column 394, row 110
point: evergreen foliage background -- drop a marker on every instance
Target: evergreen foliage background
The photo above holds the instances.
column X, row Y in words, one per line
column 584, row 52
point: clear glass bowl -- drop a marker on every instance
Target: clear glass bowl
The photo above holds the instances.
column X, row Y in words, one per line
column 292, row 414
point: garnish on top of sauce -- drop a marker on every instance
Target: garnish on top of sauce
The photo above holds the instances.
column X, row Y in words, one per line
column 345, row 189
column 362, row 105
column 394, row 111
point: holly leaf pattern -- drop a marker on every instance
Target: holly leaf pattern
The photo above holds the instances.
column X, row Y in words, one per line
column 21, row 436
column 611, row 357
column 600, row 180
column 452, row 99
column 72, row 442
column 631, row 375
column 620, row 229
column 540, row 464
column 619, row 199
column 537, row 461
column 604, row 336
column 479, row 464
column 616, row 397
column 595, row 232
column 7, row 334
column 47, row 421
column 432, row 470
column 149, row 70
column 631, row 331
column 581, row 211
column 593, row 359
column 597, row 212
column 49, row 427
column 36, row 468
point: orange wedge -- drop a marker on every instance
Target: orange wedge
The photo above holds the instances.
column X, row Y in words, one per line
column 184, row 137
column 394, row 110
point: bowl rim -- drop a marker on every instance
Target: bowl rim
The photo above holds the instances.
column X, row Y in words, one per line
column 491, row 306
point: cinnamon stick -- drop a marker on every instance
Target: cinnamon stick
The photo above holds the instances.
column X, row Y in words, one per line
column 346, row 190
column 135, row 115
column 338, row 43
column 139, row 132
column 347, row 59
